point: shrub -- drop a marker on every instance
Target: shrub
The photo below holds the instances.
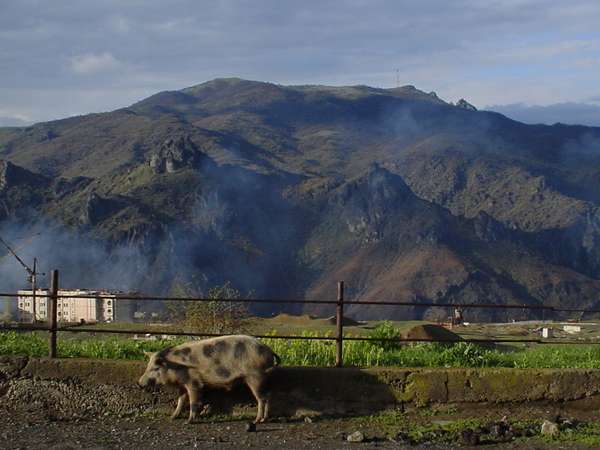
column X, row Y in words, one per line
column 219, row 315
column 467, row 354
column 385, row 330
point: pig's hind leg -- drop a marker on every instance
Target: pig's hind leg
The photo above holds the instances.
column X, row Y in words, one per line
column 257, row 386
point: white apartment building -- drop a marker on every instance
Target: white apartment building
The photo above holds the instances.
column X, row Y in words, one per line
column 101, row 306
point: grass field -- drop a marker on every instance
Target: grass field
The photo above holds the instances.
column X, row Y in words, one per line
column 322, row 353
column 286, row 324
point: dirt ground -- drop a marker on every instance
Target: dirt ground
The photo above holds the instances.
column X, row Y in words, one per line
column 40, row 430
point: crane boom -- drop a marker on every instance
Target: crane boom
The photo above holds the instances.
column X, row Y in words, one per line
column 27, row 268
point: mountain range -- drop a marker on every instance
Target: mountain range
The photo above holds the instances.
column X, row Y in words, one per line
column 284, row 190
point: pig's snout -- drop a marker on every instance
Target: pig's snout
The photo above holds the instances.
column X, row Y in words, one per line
column 148, row 384
column 151, row 383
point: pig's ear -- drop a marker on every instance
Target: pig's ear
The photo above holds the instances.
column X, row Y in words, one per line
column 148, row 355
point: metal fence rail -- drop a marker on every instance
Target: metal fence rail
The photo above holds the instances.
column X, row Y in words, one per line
column 339, row 338
column 322, row 302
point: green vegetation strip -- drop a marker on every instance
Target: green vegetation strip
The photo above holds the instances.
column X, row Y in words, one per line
column 322, row 353
column 397, row 426
column 584, row 433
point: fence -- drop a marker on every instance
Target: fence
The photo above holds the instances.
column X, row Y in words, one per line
column 339, row 338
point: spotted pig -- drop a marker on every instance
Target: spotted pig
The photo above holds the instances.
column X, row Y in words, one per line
column 214, row 363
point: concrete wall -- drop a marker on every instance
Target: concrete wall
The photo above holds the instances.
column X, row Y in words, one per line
column 79, row 387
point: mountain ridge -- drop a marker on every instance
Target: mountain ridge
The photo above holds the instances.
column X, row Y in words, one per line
column 268, row 175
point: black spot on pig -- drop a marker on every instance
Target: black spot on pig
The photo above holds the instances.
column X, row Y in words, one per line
column 222, row 372
column 239, row 351
column 208, row 350
column 221, row 346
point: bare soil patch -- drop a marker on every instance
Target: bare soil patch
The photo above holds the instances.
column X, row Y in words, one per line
column 32, row 429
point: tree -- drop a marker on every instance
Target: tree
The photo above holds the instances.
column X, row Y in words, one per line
column 219, row 315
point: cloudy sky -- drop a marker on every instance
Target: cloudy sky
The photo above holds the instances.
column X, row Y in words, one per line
column 538, row 60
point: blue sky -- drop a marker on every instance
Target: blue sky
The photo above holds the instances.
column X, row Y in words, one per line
column 67, row 57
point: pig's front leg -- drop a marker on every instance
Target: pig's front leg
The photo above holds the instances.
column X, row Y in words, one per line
column 194, row 391
column 180, row 402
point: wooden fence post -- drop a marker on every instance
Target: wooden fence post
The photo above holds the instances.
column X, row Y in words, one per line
column 339, row 321
column 53, row 299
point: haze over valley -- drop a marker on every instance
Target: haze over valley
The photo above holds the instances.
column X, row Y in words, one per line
column 284, row 190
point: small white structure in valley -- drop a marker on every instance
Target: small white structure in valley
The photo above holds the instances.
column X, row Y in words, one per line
column 571, row 329
column 546, row 332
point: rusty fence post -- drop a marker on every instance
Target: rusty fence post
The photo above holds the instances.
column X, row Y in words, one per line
column 339, row 322
column 53, row 325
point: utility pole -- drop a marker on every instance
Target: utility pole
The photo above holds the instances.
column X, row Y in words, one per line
column 32, row 274
column 33, row 279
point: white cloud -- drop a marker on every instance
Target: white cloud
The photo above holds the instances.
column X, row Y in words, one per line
column 15, row 115
column 13, row 122
column 91, row 63
column 10, row 118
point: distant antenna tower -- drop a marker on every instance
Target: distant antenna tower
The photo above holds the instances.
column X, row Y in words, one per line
column 397, row 78
column 32, row 274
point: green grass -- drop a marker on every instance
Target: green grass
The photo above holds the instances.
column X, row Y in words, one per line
column 584, row 433
column 32, row 344
column 322, row 352
column 558, row 356
column 397, row 425
column 365, row 354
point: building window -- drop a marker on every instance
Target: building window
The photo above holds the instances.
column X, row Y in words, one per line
column 108, row 303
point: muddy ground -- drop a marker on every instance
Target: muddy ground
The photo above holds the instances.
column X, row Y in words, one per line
column 59, row 404
column 24, row 428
